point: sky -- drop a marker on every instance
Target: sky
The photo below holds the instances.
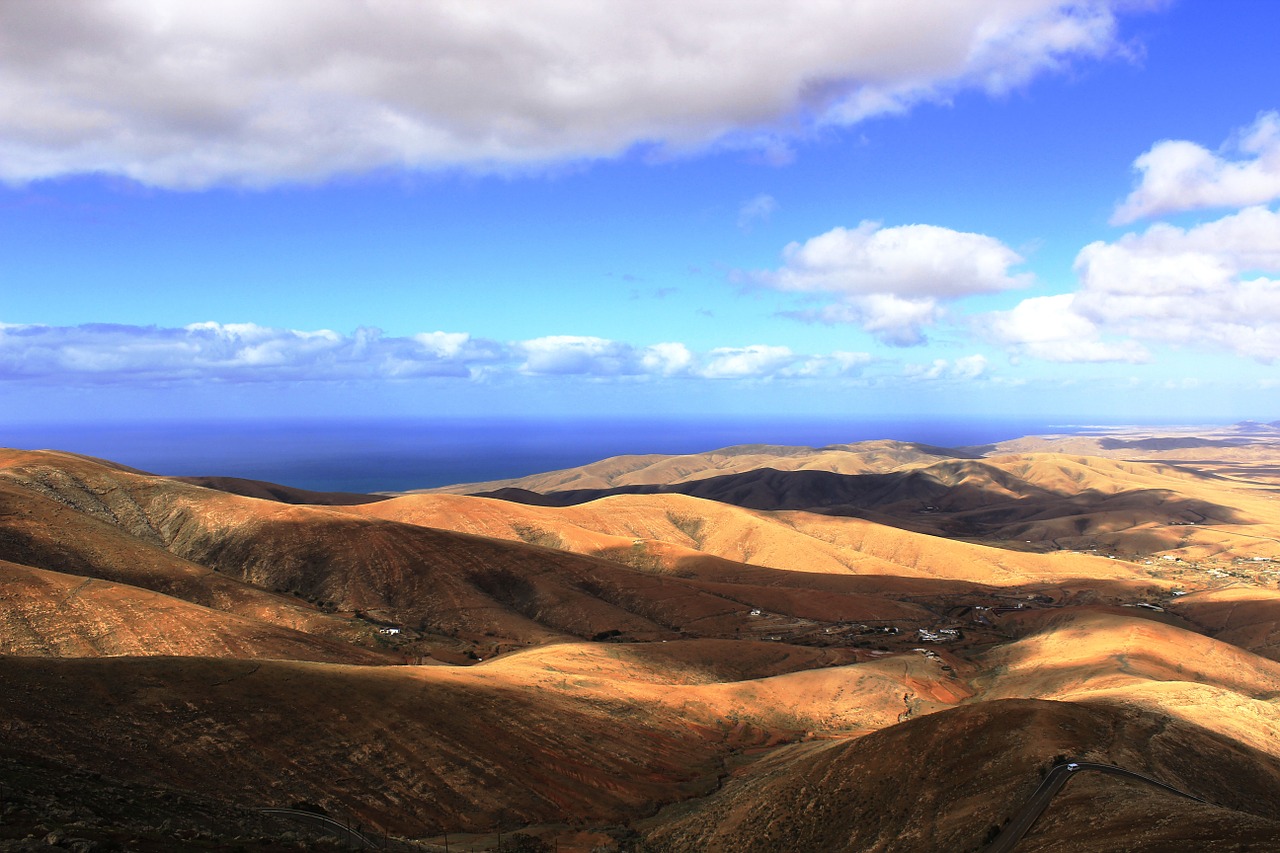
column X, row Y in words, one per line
column 869, row 208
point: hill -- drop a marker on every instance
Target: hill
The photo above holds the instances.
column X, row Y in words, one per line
column 45, row 613
column 1049, row 501
column 657, row 668
column 656, row 469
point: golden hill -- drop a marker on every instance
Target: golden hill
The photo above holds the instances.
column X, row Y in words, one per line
column 867, row 457
column 1125, row 492
column 1244, row 616
column 673, row 532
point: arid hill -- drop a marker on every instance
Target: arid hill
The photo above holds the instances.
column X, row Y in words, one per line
column 907, row 787
column 677, row 533
column 868, row 457
column 1047, row 500
column 654, row 671
column 277, row 492
column 57, row 615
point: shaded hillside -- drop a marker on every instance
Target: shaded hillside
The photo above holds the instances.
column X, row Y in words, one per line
column 657, row 469
column 941, row 782
column 44, row 529
column 277, row 492
column 395, row 746
column 1037, row 500
column 1244, row 616
column 45, row 613
column 446, row 592
column 679, row 533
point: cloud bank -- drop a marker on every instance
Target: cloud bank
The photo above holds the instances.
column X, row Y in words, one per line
column 248, row 353
column 187, row 95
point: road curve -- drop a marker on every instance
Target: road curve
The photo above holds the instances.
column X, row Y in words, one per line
column 1052, row 784
column 340, row 830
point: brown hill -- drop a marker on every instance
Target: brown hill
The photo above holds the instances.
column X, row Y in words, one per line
column 657, row 469
column 676, row 533
column 444, row 591
column 45, row 613
column 1246, row 452
column 1048, row 501
column 1241, row 615
column 66, row 514
column 910, row 787
column 404, row 748
column 276, row 492
column 1078, row 653
column 797, row 657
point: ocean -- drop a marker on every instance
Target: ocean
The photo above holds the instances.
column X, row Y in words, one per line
column 397, row 455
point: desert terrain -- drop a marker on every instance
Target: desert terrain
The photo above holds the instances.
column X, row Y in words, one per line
column 880, row 646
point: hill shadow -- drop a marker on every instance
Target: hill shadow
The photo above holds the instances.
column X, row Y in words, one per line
column 965, row 498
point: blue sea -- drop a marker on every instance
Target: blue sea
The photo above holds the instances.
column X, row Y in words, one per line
column 396, row 455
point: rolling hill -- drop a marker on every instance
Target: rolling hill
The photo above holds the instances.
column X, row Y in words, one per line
column 657, row 665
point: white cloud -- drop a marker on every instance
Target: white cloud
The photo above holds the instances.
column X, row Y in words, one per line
column 1197, row 286
column 666, row 359
column 186, row 94
column 1178, row 175
column 835, row 364
column 755, row 361
column 459, row 347
column 1200, row 286
column 1050, row 329
column 757, row 209
column 906, row 261
column 233, row 352
column 576, row 354
column 970, row 366
column 966, row 369
column 443, row 344
column 245, row 352
column 891, row 281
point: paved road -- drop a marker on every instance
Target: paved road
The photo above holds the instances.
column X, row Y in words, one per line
column 1039, row 801
column 338, row 830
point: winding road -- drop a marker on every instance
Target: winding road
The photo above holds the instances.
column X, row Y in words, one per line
column 338, row 830
column 1039, row 801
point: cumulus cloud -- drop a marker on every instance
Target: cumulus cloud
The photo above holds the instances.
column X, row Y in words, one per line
column 1202, row 286
column 907, row 261
column 1179, row 175
column 891, row 281
column 1049, row 328
column 752, row 361
column 186, row 95
column 1212, row 285
column 592, row 356
column 666, row 359
column 245, row 352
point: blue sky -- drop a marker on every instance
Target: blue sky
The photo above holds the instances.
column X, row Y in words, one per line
column 1017, row 208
